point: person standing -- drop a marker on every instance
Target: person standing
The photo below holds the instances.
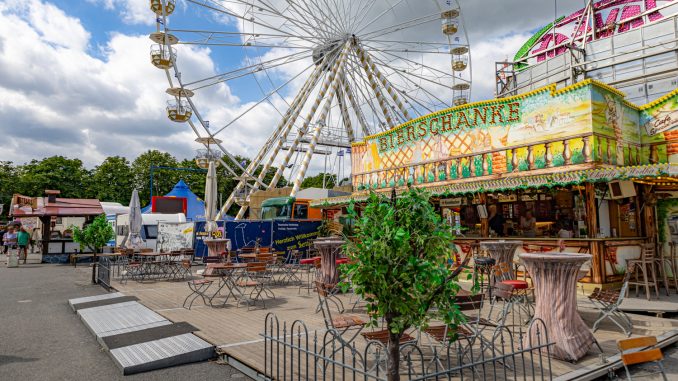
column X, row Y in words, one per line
column 496, row 221
column 3, row 230
column 528, row 224
column 23, row 239
column 9, row 239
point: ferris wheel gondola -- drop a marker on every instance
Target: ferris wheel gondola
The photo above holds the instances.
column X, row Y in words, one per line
column 334, row 72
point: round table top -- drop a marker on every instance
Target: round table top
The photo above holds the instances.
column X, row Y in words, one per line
column 558, row 257
column 328, row 241
column 215, row 240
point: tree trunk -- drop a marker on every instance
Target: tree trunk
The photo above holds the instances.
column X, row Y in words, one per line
column 393, row 349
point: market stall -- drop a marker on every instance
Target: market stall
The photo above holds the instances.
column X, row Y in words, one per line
column 579, row 163
column 55, row 217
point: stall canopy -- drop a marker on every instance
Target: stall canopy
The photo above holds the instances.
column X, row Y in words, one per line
column 195, row 207
column 23, row 206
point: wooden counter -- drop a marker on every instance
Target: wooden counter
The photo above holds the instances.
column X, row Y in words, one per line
column 608, row 255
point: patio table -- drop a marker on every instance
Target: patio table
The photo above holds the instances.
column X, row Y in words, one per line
column 555, row 284
column 229, row 273
column 328, row 248
column 502, row 251
column 159, row 264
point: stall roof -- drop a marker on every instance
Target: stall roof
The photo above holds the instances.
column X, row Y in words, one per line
column 62, row 207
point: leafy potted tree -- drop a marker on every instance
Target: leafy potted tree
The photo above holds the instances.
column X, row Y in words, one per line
column 400, row 266
column 94, row 236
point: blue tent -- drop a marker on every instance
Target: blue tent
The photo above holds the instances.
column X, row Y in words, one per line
column 194, row 206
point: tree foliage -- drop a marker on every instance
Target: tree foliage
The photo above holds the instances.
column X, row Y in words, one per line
column 95, row 235
column 56, row 172
column 112, row 180
column 317, row 181
column 402, row 250
column 115, row 178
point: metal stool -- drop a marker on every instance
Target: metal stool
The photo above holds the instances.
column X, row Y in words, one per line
column 483, row 266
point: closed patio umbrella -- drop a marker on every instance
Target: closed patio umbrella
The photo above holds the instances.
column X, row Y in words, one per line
column 211, row 198
column 133, row 239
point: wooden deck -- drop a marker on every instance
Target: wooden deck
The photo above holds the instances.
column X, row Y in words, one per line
column 236, row 331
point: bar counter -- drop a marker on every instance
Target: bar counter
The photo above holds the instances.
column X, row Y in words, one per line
column 608, row 255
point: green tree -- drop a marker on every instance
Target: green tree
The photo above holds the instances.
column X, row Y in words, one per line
column 401, row 251
column 112, row 180
column 317, row 181
column 9, row 184
column 163, row 180
column 95, row 235
column 56, row 172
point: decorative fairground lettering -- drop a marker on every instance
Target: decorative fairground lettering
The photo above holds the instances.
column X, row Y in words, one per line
column 450, row 122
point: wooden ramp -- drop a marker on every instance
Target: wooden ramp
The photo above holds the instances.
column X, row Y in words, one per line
column 137, row 338
column 236, row 332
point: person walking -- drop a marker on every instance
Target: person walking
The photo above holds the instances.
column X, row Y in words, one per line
column 23, row 239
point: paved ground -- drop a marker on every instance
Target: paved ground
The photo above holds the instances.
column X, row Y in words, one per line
column 42, row 339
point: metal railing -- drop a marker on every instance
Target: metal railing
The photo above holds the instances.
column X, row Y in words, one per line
column 292, row 352
column 104, row 272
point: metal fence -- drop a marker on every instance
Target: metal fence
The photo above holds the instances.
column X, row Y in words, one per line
column 104, row 266
column 292, row 352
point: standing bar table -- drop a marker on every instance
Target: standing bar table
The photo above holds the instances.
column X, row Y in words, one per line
column 502, row 251
column 328, row 248
column 555, row 286
column 216, row 246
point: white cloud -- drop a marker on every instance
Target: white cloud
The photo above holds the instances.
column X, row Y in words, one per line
column 57, row 98
column 131, row 11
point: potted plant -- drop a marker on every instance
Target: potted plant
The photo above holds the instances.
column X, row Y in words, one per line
column 400, row 266
column 94, row 236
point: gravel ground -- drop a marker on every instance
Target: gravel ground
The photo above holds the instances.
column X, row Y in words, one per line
column 42, row 339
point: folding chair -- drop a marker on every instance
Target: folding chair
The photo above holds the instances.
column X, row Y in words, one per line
column 290, row 268
column 608, row 302
column 641, row 356
column 342, row 324
column 185, row 270
column 198, row 288
column 258, row 278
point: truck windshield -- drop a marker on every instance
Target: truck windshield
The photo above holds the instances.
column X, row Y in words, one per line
column 276, row 212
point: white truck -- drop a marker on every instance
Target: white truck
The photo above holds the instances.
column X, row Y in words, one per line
column 149, row 227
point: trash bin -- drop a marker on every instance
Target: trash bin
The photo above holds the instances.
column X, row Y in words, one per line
column 13, row 259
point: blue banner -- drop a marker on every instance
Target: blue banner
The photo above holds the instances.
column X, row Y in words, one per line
column 199, row 234
column 294, row 235
column 281, row 235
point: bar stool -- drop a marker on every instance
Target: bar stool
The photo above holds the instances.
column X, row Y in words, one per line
column 662, row 260
column 482, row 266
column 645, row 265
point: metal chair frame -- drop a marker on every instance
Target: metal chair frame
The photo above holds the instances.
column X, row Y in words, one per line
column 608, row 302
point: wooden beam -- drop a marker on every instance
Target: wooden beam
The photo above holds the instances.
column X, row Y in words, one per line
column 596, row 249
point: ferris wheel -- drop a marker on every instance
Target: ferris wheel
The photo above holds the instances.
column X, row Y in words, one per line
column 331, row 71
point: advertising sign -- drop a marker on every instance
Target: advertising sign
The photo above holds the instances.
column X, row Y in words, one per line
column 174, row 236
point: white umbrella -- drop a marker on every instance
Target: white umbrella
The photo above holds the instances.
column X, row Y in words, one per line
column 211, row 198
column 133, row 240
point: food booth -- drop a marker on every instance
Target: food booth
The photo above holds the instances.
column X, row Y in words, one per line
column 55, row 216
column 579, row 164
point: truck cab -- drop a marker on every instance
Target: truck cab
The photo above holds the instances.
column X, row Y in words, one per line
column 288, row 208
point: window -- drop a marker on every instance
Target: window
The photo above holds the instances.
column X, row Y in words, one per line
column 151, row 231
column 275, row 212
column 300, row 211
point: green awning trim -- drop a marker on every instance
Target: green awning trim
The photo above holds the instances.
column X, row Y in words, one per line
column 516, row 182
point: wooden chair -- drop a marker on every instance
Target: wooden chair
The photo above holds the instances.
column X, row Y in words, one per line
column 608, row 302
column 669, row 262
column 198, row 289
column 645, row 266
column 641, row 356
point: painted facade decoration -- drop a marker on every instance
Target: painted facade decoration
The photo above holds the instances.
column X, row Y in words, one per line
column 585, row 125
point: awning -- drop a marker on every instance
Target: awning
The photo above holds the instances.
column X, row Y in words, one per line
column 515, row 181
